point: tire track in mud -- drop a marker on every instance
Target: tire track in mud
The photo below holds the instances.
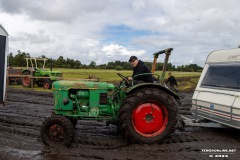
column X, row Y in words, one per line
column 24, row 112
column 21, row 119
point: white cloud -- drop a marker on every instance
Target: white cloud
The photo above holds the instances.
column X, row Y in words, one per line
column 116, row 50
column 138, row 5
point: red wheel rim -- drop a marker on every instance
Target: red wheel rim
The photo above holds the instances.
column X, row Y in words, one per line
column 46, row 85
column 27, row 80
column 150, row 119
column 56, row 132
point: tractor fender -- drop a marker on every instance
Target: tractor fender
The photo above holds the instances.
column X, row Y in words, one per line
column 26, row 70
column 152, row 85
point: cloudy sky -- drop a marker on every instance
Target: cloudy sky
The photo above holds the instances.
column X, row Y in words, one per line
column 110, row 30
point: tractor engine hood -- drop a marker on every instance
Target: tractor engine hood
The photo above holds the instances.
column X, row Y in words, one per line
column 66, row 85
column 46, row 71
column 53, row 71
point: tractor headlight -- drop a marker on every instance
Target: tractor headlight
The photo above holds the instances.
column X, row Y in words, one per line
column 65, row 101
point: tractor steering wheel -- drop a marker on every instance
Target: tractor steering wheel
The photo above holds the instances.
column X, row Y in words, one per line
column 123, row 77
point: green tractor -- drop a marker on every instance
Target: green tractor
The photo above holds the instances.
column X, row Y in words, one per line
column 144, row 112
column 39, row 76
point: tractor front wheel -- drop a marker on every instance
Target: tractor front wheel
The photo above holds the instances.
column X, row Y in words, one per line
column 26, row 81
column 47, row 84
column 148, row 115
column 57, row 131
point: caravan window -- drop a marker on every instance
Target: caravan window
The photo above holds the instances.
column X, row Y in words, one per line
column 222, row 76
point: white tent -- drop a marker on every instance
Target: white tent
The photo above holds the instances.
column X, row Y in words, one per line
column 3, row 62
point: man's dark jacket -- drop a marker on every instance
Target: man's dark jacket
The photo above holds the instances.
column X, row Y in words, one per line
column 172, row 81
column 140, row 69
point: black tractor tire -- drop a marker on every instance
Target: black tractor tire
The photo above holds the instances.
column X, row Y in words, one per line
column 57, row 131
column 148, row 116
column 47, row 84
column 74, row 121
column 26, row 81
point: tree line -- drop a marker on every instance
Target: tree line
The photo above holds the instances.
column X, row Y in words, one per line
column 19, row 61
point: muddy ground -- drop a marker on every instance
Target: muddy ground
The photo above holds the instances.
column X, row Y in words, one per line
column 21, row 119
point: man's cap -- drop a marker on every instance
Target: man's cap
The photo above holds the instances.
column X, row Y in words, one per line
column 132, row 58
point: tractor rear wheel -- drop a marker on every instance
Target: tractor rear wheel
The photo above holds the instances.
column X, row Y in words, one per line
column 47, row 84
column 57, row 131
column 148, row 115
column 26, row 81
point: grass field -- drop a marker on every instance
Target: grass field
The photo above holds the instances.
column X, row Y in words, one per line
column 111, row 75
column 186, row 80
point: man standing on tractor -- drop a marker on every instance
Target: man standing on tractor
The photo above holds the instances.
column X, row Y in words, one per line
column 140, row 68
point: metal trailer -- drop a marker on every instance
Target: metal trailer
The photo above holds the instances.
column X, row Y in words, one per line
column 216, row 100
column 14, row 75
column 3, row 62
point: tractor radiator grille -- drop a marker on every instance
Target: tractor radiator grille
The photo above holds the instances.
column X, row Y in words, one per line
column 103, row 98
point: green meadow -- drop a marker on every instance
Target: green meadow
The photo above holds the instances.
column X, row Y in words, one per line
column 186, row 80
column 111, row 75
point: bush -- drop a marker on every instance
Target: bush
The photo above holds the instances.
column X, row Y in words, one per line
column 119, row 68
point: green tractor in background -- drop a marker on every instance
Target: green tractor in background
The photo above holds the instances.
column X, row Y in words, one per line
column 39, row 76
column 144, row 112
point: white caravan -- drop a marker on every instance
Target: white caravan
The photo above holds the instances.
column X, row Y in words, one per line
column 217, row 95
